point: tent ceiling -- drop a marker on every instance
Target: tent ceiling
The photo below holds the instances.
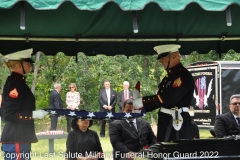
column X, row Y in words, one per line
column 106, row 27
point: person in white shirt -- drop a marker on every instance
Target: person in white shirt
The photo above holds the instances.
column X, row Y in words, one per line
column 107, row 100
column 73, row 102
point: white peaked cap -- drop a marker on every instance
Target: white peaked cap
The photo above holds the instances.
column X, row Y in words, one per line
column 20, row 55
column 164, row 50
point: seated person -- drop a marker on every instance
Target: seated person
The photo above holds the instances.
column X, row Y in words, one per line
column 82, row 140
column 129, row 136
column 228, row 123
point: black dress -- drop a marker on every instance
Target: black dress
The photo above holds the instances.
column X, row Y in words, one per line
column 82, row 144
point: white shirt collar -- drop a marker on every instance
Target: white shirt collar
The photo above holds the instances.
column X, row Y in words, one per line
column 234, row 116
column 134, row 121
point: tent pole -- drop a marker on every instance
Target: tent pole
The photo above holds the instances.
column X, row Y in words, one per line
column 228, row 16
column 22, row 16
column 118, row 39
column 135, row 24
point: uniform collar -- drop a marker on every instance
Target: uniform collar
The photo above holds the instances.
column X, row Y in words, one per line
column 17, row 75
column 175, row 68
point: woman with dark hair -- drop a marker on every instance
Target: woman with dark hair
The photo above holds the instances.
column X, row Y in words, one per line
column 83, row 143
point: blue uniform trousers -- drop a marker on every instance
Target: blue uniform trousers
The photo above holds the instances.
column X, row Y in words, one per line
column 16, row 151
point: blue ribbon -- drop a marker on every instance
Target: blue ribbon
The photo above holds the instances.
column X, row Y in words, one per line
column 94, row 115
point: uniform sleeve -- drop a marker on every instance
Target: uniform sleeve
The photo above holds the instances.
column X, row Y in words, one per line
column 176, row 91
column 14, row 95
column 169, row 96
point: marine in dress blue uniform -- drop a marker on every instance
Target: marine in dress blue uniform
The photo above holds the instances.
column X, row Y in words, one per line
column 175, row 94
column 18, row 105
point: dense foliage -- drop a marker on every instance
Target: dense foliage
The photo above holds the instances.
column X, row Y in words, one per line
column 90, row 72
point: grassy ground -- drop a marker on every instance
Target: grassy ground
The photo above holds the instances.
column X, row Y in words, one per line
column 40, row 149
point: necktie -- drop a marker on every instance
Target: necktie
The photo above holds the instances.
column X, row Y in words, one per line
column 125, row 95
column 133, row 127
column 238, row 119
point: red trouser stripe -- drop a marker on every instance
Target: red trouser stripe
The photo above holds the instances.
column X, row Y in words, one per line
column 17, row 146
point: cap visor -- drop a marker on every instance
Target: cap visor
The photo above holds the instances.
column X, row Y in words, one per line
column 162, row 55
column 28, row 60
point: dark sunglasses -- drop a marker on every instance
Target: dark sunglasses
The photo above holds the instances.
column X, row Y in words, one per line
column 235, row 103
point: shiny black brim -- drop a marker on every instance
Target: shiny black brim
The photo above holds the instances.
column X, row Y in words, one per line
column 28, row 60
column 162, row 55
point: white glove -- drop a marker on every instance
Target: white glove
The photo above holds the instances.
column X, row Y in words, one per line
column 39, row 114
column 138, row 105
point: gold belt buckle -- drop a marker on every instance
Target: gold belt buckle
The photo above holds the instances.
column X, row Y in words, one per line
column 177, row 121
column 174, row 109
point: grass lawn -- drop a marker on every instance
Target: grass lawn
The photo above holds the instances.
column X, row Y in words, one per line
column 40, row 149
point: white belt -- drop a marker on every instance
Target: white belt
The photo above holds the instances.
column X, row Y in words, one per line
column 177, row 123
column 169, row 111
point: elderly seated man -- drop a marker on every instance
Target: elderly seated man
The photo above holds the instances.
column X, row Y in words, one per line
column 229, row 123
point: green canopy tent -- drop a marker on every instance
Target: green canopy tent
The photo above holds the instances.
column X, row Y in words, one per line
column 114, row 27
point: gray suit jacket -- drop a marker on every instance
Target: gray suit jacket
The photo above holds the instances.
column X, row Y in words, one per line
column 120, row 99
column 225, row 124
column 55, row 100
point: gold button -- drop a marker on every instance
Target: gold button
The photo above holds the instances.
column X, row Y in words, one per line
column 148, row 98
column 20, row 116
column 161, row 91
column 166, row 75
column 169, row 70
column 25, row 117
column 163, row 86
column 30, row 117
column 144, row 100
